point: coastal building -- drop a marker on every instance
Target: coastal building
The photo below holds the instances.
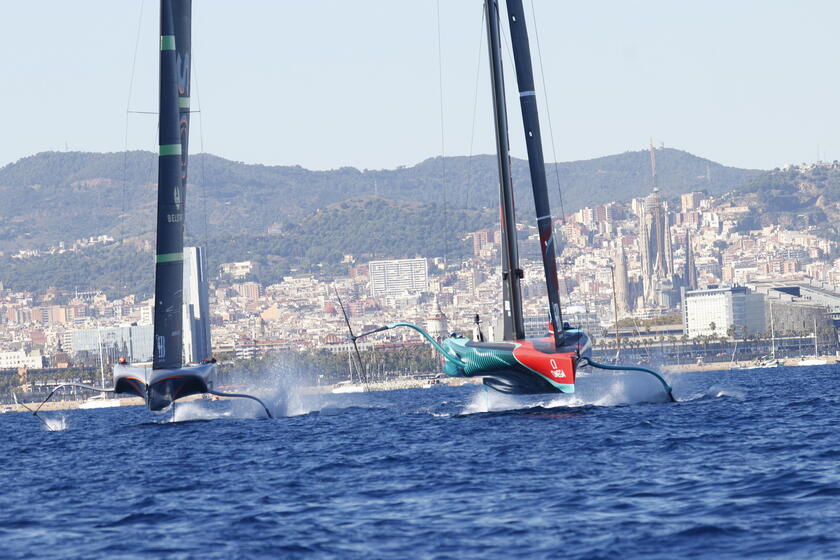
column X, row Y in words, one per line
column 715, row 312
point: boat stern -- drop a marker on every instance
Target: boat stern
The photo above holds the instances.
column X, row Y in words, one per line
column 168, row 385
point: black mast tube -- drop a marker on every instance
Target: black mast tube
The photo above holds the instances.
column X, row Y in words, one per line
column 514, row 326
column 531, row 122
column 172, row 181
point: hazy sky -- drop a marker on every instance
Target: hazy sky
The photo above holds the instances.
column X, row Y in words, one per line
column 331, row 83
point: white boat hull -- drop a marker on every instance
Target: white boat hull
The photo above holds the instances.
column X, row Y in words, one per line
column 100, row 403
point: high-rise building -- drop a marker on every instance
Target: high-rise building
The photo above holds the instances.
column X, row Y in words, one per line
column 196, row 307
column 398, row 276
column 690, row 272
column 622, row 285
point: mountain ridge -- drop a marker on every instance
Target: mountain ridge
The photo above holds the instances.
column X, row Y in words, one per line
column 61, row 196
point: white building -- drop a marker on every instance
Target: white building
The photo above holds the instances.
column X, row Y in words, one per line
column 19, row 358
column 398, row 276
column 239, row 269
column 712, row 312
column 196, row 309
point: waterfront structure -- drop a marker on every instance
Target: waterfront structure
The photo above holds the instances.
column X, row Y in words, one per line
column 394, row 277
column 133, row 342
column 714, row 312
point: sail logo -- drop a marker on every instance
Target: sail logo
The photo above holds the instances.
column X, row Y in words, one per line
column 161, row 346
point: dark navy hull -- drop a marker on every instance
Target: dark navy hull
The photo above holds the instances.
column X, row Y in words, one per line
column 161, row 387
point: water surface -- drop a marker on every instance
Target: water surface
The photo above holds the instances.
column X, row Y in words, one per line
column 745, row 466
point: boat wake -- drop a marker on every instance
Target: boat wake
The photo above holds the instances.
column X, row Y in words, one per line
column 196, row 410
column 717, row 391
column 592, row 389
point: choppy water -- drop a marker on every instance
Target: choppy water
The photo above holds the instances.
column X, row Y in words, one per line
column 745, row 466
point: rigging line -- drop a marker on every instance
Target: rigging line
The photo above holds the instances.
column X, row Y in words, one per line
column 445, row 228
column 124, row 198
column 206, row 240
column 548, row 113
column 550, row 134
column 475, row 111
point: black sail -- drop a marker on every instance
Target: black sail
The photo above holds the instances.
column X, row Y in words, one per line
column 533, row 140
column 172, row 180
column 514, row 326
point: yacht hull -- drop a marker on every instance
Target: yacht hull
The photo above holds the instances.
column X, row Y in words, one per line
column 520, row 367
column 161, row 387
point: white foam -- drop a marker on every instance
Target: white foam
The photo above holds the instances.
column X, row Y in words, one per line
column 195, row 410
column 55, row 423
column 596, row 389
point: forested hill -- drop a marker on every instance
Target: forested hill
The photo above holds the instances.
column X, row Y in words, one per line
column 62, row 196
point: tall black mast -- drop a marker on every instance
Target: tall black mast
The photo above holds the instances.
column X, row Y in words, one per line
column 514, row 327
column 531, row 122
column 172, row 181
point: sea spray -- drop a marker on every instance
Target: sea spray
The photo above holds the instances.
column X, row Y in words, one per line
column 281, row 382
column 55, row 423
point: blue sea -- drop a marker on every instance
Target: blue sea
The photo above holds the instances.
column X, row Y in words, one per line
column 745, row 465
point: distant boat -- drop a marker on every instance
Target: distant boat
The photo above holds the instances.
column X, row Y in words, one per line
column 816, row 360
column 100, row 401
column 812, row 362
column 762, row 362
column 348, row 387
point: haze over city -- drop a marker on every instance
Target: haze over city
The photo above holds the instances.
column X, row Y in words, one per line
column 327, row 84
